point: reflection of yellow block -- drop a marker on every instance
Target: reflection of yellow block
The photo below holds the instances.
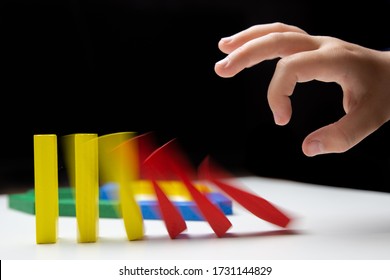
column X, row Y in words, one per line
column 46, row 188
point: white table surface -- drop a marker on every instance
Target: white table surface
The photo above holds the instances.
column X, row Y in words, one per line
column 328, row 223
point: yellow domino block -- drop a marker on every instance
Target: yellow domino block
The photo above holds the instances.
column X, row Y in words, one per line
column 87, row 186
column 118, row 158
column 108, row 162
column 172, row 188
column 81, row 157
column 46, row 188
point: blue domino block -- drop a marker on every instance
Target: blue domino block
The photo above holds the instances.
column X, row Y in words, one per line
column 188, row 208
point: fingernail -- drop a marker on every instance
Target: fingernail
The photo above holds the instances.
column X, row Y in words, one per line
column 280, row 119
column 315, row 148
column 226, row 40
column 277, row 119
column 224, row 62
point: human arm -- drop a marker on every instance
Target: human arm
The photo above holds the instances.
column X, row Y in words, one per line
column 362, row 73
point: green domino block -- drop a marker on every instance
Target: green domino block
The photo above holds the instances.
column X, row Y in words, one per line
column 67, row 207
column 65, row 193
column 25, row 202
column 109, row 209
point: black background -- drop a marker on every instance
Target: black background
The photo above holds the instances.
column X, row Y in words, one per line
column 76, row 66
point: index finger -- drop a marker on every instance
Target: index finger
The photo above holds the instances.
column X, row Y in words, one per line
column 229, row 44
column 267, row 47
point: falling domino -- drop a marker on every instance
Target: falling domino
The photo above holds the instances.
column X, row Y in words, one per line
column 163, row 161
column 174, row 221
column 172, row 217
column 169, row 160
column 119, row 162
column 46, row 188
column 258, row 206
column 125, row 159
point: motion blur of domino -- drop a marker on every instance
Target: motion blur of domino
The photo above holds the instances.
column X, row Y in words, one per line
column 128, row 176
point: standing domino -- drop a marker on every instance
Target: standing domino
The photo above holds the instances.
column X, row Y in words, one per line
column 46, row 188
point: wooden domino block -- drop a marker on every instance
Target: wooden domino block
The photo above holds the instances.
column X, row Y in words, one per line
column 82, row 163
column 46, row 188
column 119, row 164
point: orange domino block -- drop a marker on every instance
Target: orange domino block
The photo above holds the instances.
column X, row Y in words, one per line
column 46, row 188
column 82, row 163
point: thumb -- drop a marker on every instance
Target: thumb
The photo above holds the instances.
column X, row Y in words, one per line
column 338, row 137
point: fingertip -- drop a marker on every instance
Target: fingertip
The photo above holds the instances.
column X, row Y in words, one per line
column 281, row 117
column 222, row 68
column 225, row 40
column 280, row 120
column 333, row 138
column 223, row 44
column 281, row 107
column 222, row 63
column 218, row 70
column 312, row 148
